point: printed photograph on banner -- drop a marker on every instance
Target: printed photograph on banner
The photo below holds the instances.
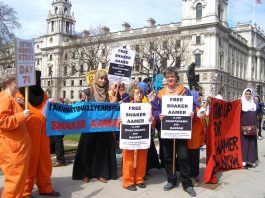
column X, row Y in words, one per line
column 121, row 64
column 25, row 62
column 177, row 122
column 135, row 126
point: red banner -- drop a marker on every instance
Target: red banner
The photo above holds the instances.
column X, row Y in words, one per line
column 223, row 139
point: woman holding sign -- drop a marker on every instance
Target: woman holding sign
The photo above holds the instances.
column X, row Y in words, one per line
column 95, row 156
column 248, row 129
column 134, row 161
column 15, row 143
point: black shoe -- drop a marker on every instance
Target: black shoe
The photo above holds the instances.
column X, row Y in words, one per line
column 169, row 186
column 51, row 194
column 190, row 190
column 141, row 185
column 131, row 188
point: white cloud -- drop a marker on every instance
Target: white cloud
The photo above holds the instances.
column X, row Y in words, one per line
column 33, row 13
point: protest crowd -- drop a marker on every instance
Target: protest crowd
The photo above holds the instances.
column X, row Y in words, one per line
column 183, row 120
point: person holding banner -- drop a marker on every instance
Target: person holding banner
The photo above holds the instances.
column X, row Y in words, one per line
column 15, row 143
column 134, row 176
column 40, row 169
column 248, row 118
column 174, row 89
column 95, row 156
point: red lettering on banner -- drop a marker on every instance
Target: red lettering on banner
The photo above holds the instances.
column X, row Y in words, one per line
column 103, row 123
column 80, row 124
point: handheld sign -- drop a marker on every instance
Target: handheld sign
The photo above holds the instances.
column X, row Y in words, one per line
column 90, row 77
column 136, row 127
column 121, row 63
column 25, row 62
column 177, row 121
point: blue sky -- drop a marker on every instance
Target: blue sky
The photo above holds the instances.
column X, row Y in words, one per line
column 32, row 14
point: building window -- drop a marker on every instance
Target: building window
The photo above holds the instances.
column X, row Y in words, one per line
column 51, row 40
column 72, row 94
column 72, row 82
column 38, row 62
column 80, row 82
column 197, row 77
column 73, row 70
column 198, row 59
column 198, row 40
column 164, row 44
column 103, row 52
column 103, row 65
column 64, row 94
column 52, row 26
column 178, row 62
column 50, row 71
column 38, row 46
column 50, row 58
column 177, row 43
column 199, row 10
column 65, row 11
column 219, row 11
column 65, row 70
column 164, row 63
column 67, row 27
column 81, row 69
column 55, row 10
column 73, row 55
column 65, row 56
column 137, row 48
column 64, row 83
column 49, row 83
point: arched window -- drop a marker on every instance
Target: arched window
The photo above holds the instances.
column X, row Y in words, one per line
column 199, row 10
column 65, row 11
column 55, row 10
column 219, row 11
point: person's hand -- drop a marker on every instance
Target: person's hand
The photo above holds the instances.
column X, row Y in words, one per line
column 161, row 117
column 118, row 123
column 114, row 99
column 151, row 96
column 52, row 100
column 151, row 119
column 192, row 114
column 26, row 113
column 20, row 101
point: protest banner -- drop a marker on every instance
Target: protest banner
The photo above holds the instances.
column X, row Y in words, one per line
column 25, row 65
column 82, row 117
column 25, row 62
column 121, row 64
column 135, row 127
column 223, row 140
column 176, row 123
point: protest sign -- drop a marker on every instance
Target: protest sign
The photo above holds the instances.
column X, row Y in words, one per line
column 25, row 62
column 90, row 77
column 82, row 117
column 121, row 63
column 135, row 127
column 223, row 140
column 176, row 123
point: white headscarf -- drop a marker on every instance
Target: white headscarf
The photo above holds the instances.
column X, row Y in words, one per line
column 248, row 105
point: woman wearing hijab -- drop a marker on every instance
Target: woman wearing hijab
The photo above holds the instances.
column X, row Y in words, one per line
column 248, row 118
column 95, row 156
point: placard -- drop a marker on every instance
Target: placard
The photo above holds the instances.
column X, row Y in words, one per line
column 177, row 122
column 135, row 128
column 25, row 62
column 121, row 64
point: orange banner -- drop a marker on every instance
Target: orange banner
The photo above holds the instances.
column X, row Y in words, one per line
column 223, row 140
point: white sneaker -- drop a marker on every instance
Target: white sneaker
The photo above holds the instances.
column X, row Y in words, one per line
column 260, row 138
column 244, row 163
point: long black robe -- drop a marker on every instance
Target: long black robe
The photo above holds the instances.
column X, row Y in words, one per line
column 95, row 156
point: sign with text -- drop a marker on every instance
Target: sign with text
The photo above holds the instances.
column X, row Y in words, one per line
column 121, row 64
column 223, row 139
column 25, row 62
column 135, row 128
column 176, row 123
column 81, row 117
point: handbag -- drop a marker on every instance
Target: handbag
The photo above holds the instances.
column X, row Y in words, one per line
column 249, row 130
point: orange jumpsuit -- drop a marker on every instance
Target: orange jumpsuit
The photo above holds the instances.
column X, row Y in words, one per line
column 15, row 146
column 40, row 167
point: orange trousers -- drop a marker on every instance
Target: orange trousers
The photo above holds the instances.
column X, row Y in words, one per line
column 40, row 166
column 130, row 174
column 14, row 163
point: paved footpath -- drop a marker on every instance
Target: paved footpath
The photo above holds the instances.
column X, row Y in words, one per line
column 232, row 184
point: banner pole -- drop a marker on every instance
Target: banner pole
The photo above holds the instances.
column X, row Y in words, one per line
column 174, row 157
column 26, row 98
column 134, row 158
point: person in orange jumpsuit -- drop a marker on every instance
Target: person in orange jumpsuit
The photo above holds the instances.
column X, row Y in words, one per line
column 40, row 168
column 132, row 177
column 15, row 143
column 196, row 141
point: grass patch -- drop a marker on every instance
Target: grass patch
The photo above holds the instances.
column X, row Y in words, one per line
column 73, row 137
column 69, row 148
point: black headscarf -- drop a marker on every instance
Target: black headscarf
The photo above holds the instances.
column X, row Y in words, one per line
column 36, row 93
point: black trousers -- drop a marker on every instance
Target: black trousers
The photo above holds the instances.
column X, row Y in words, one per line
column 57, row 147
column 182, row 161
column 194, row 160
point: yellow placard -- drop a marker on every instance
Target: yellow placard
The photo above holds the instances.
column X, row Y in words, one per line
column 90, row 77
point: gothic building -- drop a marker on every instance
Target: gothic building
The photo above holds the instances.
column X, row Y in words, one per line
column 227, row 60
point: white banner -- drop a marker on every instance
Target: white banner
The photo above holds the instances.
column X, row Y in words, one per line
column 25, row 62
column 135, row 128
column 121, row 64
column 177, row 122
